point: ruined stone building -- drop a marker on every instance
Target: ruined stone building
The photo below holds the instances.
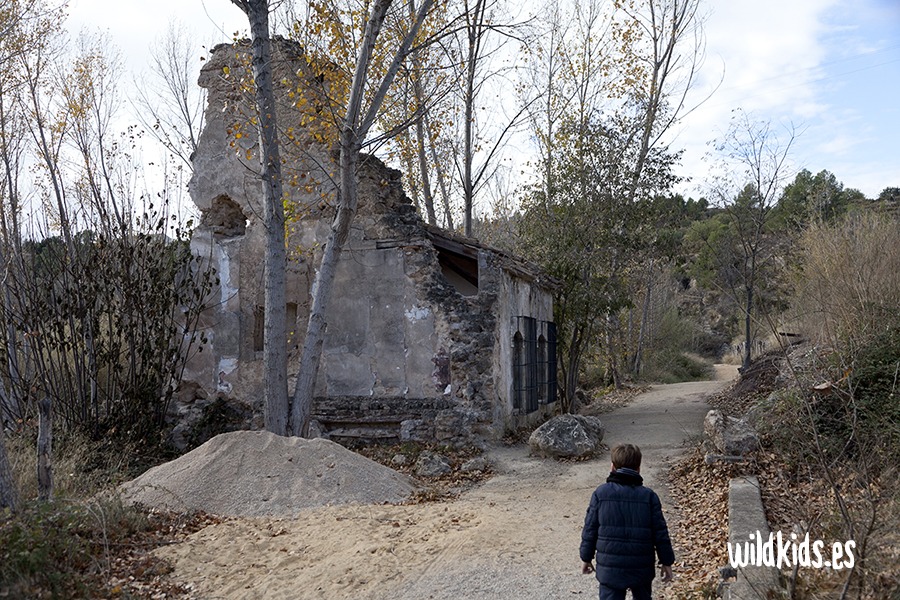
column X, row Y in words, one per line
column 430, row 337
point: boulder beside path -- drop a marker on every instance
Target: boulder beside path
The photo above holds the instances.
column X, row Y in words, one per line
column 730, row 435
column 568, row 436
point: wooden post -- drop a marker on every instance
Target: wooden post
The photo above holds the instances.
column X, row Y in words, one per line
column 45, row 450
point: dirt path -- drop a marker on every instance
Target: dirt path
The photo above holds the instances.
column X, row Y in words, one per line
column 516, row 536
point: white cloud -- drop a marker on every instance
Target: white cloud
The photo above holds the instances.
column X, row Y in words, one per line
column 779, row 65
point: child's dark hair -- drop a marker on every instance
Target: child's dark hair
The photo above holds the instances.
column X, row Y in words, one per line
column 627, row 456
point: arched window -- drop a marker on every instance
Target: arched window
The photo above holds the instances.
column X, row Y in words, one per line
column 519, row 375
column 534, row 364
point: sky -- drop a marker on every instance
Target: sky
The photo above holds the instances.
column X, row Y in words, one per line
column 830, row 69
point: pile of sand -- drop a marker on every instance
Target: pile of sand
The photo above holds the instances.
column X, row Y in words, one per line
column 257, row 473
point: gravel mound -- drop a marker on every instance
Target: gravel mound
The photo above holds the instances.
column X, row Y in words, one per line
column 257, row 473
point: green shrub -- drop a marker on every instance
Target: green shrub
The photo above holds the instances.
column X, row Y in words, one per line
column 874, row 385
column 668, row 357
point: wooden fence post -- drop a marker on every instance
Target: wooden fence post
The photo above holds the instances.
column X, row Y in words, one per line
column 45, row 449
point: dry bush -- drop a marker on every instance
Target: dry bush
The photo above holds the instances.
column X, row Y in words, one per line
column 851, row 280
column 836, row 444
column 75, row 465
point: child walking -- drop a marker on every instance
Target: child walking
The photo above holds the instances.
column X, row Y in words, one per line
column 626, row 530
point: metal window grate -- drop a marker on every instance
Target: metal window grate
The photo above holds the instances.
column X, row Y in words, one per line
column 551, row 361
column 534, row 364
column 518, row 370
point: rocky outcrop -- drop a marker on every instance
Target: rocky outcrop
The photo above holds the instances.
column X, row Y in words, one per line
column 568, row 436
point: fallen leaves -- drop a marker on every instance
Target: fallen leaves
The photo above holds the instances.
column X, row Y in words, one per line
column 134, row 572
column 699, row 527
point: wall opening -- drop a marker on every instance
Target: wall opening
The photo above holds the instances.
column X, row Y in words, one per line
column 225, row 218
column 542, row 369
column 518, row 370
column 460, row 271
column 458, row 261
column 527, row 364
column 259, row 324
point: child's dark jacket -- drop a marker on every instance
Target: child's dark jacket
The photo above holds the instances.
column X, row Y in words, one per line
column 626, row 530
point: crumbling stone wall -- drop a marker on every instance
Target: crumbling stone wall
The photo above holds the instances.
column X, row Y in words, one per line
column 407, row 356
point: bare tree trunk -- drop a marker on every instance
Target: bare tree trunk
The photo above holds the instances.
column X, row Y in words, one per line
column 275, row 319
column 45, row 449
column 48, row 151
column 748, row 339
column 315, row 331
column 645, row 320
column 612, row 350
column 748, row 309
column 8, row 497
column 428, row 197
column 442, row 179
column 410, row 165
column 667, row 23
column 475, row 32
column 573, row 366
column 427, row 194
column 10, row 410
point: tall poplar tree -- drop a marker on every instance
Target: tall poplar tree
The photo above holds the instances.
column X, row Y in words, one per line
column 275, row 321
column 355, row 127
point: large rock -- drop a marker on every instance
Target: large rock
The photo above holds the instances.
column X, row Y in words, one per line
column 731, row 436
column 568, row 436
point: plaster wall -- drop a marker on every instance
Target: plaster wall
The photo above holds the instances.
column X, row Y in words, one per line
column 518, row 298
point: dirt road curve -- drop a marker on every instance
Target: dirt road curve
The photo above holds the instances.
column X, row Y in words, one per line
column 514, row 537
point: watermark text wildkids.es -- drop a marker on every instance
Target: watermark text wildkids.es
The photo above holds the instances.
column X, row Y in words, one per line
column 788, row 551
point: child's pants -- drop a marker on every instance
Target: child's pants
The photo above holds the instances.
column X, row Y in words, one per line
column 641, row 592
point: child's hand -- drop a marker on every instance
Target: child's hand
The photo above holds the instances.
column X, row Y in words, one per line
column 666, row 572
column 587, row 568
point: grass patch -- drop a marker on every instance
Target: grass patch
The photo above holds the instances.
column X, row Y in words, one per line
column 85, row 542
column 673, row 366
column 62, row 549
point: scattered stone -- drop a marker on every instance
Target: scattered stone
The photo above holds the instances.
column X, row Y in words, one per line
column 731, row 436
column 431, row 464
column 479, row 464
column 400, row 460
column 415, row 430
column 568, row 436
